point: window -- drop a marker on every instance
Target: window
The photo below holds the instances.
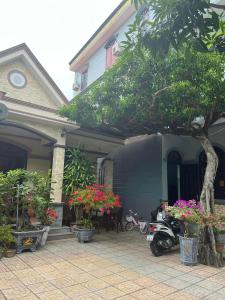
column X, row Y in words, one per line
column 111, row 56
column 112, row 49
column 84, row 79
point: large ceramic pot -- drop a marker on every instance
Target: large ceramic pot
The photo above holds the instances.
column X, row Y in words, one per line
column 84, row 234
column 188, row 250
column 220, row 247
column 28, row 240
column 45, row 235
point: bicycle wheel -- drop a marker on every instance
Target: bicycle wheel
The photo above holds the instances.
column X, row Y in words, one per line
column 129, row 226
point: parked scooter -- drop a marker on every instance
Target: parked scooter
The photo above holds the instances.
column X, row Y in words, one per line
column 163, row 232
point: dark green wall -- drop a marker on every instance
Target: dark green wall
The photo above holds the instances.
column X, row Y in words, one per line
column 138, row 174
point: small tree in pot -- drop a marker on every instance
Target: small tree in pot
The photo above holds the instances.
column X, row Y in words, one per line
column 94, row 197
column 190, row 213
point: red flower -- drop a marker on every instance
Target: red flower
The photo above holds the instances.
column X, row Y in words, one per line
column 79, row 199
column 70, row 202
column 75, row 193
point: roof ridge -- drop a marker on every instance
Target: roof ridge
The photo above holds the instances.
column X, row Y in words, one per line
column 23, row 46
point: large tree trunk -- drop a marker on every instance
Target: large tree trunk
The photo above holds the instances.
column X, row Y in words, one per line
column 207, row 251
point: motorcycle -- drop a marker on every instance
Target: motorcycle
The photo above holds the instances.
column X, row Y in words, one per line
column 163, row 232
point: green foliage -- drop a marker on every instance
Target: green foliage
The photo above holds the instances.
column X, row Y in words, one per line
column 145, row 94
column 6, row 236
column 176, row 22
column 79, row 172
column 86, row 223
column 29, row 189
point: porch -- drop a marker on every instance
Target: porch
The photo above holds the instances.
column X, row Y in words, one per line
column 112, row 266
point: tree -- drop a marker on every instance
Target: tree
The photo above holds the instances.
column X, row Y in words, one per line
column 181, row 93
column 175, row 22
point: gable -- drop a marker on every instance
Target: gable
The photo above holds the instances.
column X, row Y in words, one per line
column 39, row 89
column 33, row 92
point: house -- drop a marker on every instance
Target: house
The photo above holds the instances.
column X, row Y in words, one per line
column 148, row 168
column 34, row 136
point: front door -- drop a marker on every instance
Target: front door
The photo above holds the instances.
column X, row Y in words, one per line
column 189, row 182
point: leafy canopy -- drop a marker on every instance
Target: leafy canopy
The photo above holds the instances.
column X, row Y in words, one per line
column 175, row 22
column 142, row 94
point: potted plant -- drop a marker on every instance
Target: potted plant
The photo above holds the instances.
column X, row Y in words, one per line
column 25, row 195
column 94, row 197
column 41, row 204
column 7, row 240
column 48, row 216
column 190, row 213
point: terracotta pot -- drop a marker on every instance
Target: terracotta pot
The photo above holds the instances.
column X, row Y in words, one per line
column 220, row 247
column 10, row 253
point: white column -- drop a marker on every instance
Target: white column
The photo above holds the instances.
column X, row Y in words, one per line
column 57, row 173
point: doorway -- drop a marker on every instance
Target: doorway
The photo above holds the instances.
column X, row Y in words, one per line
column 174, row 162
column 12, row 157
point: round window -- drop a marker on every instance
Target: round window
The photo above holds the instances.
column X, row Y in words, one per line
column 17, row 79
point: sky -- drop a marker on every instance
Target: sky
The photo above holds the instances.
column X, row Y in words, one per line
column 54, row 30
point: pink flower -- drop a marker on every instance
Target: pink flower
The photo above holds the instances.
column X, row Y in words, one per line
column 102, row 211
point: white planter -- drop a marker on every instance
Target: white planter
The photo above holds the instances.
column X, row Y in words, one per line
column 45, row 235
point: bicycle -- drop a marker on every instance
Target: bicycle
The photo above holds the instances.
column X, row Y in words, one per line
column 134, row 222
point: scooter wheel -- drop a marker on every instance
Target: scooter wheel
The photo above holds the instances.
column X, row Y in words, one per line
column 156, row 249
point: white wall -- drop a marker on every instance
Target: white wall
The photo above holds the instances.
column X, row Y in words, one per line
column 97, row 63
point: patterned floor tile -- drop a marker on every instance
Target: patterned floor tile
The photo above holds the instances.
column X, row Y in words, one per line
column 41, row 287
column 113, row 279
column 110, row 293
column 162, row 289
column 53, row 295
column 75, row 291
column 128, row 287
column 96, row 284
column 17, row 293
column 145, row 294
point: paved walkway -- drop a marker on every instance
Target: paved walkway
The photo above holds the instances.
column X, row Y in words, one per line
column 113, row 266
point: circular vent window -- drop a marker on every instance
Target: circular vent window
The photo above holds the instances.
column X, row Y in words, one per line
column 17, row 79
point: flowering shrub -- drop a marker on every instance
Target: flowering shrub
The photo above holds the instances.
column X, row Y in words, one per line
column 94, row 197
column 189, row 211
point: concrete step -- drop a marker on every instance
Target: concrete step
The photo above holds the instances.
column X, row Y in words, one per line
column 59, row 229
column 60, row 233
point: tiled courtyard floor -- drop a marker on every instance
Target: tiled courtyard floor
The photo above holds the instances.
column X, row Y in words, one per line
column 112, row 266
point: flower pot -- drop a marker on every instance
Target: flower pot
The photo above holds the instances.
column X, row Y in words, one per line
column 28, row 240
column 193, row 229
column 10, row 253
column 188, row 251
column 84, row 234
column 220, row 247
column 45, row 235
column 221, row 238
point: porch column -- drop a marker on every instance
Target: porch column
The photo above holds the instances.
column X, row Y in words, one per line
column 57, row 173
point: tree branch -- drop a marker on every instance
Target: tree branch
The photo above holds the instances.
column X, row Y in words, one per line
column 218, row 6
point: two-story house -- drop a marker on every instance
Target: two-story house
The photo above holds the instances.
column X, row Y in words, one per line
column 147, row 168
column 32, row 134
